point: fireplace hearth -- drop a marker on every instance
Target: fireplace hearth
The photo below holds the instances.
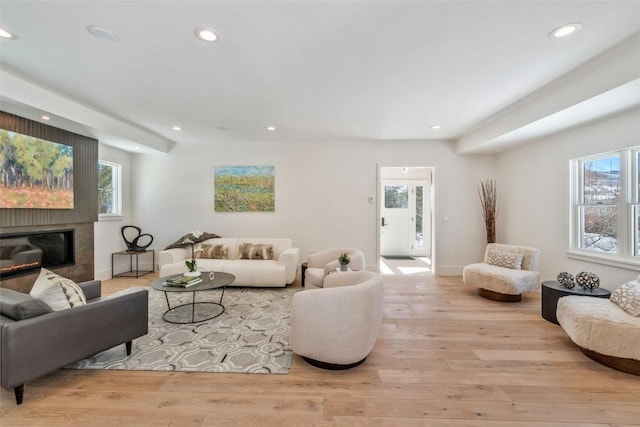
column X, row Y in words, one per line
column 24, row 252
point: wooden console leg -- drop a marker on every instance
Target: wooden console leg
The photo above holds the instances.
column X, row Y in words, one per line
column 19, row 392
column 128, row 346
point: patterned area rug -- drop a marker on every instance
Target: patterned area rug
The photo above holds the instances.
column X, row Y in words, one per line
column 251, row 336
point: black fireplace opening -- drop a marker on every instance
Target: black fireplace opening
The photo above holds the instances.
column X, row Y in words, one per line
column 24, row 252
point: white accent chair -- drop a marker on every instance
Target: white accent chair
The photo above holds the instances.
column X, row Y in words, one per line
column 506, row 284
column 337, row 326
column 321, row 263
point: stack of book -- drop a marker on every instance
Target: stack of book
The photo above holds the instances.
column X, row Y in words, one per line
column 182, row 281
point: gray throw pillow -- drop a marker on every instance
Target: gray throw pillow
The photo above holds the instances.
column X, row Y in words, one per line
column 19, row 306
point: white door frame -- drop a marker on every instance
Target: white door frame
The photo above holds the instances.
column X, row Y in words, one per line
column 430, row 221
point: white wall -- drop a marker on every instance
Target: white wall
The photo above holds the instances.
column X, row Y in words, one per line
column 322, row 191
column 534, row 181
column 321, row 194
column 107, row 235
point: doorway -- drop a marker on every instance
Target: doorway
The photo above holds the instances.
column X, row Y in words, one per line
column 405, row 225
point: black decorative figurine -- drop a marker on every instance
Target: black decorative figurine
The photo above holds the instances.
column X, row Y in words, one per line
column 587, row 280
column 566, row 280
column 134, row 245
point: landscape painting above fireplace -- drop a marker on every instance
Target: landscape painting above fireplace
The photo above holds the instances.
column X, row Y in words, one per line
column 35, row 173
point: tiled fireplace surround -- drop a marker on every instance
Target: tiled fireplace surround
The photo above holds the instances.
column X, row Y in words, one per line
column 81, row 271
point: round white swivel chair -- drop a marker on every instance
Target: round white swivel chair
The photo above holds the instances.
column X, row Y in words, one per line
column 336, row 327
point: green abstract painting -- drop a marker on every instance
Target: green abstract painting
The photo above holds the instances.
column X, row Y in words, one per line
column 244, row 189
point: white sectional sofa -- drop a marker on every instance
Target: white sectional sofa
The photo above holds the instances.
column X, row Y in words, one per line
column 279, row 271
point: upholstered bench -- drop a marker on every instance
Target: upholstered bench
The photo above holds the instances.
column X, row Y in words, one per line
column 603, row 331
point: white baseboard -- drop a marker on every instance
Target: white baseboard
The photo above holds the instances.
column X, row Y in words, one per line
column 102, row 275
column 449, row 270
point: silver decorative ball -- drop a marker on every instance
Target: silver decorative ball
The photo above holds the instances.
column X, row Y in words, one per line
column 566, row 279
column 587, row 280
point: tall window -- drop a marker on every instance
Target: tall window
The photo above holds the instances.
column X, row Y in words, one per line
column 605, row 208
column 109, row 189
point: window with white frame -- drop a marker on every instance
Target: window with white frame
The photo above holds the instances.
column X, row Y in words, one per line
column 109, row 189
column 605, row 208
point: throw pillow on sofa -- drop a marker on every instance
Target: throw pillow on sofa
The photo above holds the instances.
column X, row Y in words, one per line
column 19, row 306
column 255, row 251
column 505, row 259
column 627, row 297
column 212, row 251
column 56, row 291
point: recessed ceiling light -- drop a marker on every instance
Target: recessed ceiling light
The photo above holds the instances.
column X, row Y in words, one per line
column 270, row 128
column 566, row 30
column 104, row 34
column 176, row 128
column 435, row 126
column 7, row 35
column 205, row 34
column 45, row 118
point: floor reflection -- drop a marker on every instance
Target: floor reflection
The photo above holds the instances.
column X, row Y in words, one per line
column 417, row 265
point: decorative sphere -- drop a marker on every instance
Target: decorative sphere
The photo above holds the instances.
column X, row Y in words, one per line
column 566, row 279
column 587, row 280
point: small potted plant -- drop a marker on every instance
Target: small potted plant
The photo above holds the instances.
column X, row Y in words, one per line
column 191, row 264
column 344, row 261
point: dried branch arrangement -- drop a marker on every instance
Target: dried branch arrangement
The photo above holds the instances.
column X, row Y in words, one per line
column 490, row 201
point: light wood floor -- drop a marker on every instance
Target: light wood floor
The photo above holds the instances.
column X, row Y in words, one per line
column 444, row 357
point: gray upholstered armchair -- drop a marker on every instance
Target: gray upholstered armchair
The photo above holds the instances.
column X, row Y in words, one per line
column 34, row 340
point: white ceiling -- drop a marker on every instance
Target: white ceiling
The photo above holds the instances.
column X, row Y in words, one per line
column 317, row 70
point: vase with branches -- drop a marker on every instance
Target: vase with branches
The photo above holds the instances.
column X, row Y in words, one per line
column 490, row 202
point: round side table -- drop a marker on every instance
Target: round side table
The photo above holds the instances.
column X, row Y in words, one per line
column 552, row 291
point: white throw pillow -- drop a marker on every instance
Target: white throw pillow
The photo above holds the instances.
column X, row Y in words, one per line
column 505, row 259
column 627, row 297
column 57, row 292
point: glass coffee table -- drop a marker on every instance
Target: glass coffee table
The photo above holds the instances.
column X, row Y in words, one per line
column 195, row 311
